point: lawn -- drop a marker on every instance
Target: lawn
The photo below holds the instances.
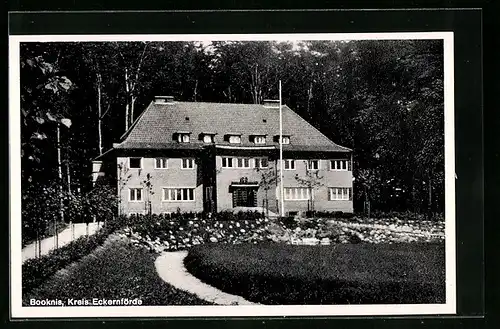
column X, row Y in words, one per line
column 335, row 274
column 118, row 270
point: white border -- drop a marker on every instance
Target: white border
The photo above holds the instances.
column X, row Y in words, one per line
column 18, row 311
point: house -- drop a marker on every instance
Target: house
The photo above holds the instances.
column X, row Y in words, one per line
column 196, row 156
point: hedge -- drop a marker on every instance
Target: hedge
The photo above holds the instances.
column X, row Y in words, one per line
column 338, row 274
column 36, row 270
column 118, row 270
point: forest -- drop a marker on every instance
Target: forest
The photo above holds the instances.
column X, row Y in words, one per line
column 382, row 98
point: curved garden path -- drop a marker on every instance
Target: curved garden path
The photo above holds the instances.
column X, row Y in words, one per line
column 170, row 268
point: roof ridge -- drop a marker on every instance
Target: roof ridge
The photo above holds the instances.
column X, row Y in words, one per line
column 135, row 123
column 323, row 135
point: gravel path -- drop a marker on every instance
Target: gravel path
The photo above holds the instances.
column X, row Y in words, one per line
column 170, row 268
column 65, row 237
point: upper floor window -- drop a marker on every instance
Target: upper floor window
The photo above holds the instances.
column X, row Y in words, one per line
column 339, row 193
column 259, row 139
column 243, row 163
column 339, row 165
column 135, row 194
column 261, row 163
column 187, row 163
column 135, row 163
column 161, row 163
column 227, row 162
column 313, row 165
column 183, row 137
column 289, row 164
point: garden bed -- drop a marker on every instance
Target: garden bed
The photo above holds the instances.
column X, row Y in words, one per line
column 116, row 270
column 271, row 273
column 182, row 231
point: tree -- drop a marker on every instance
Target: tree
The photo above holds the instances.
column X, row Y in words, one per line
column 268, row 179
column 311, row 181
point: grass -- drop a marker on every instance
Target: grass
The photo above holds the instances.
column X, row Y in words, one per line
column 335, row 274
column 117, row 270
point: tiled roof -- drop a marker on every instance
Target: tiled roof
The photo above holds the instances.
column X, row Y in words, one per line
column 158, row 124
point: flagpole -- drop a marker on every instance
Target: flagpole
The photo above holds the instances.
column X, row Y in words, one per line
column 281, row 157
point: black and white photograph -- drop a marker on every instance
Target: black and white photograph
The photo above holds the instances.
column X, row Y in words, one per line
column 270, row 174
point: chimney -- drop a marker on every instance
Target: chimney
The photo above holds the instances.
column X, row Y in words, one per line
column 164, row 99
column 274, row 103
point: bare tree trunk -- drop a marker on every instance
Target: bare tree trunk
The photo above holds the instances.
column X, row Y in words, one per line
column 99, row 111
column 68, row 175
column 132, row 106
column 127, row 102
column 195, row 96
column 59, row 171
column 430, row 196
column 309, row 97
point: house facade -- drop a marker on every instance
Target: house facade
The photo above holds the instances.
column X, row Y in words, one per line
column 195, row 156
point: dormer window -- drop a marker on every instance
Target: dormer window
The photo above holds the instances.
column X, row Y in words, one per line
column 233, row 138
column 207, row 138
column 285, row 139
column 183, row 137
column 258, row 139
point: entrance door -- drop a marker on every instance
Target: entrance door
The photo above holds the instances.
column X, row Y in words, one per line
column 244, row 197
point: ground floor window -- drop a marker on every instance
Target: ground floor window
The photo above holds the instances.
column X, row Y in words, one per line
column 178, row 194
column 339, row 193
column 135, row 194
column 296, row 193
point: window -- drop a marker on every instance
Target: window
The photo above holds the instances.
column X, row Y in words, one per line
column 135, row 213
column 259, row 139
column 208, row 139
column 289, row 164
column 339, row 193
column 178, row 194
column 339, row 165
column 227, row 162
column 161, row 163
column 296, row 193
column 187, row 164
column 313, row 165
column 242, row 163
column 135, row 163
column 261, row 163
column 183, row 138
column 234, row 139
column 135, row 194
column 285, row 139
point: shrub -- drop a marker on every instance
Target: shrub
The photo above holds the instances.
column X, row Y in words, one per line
column 37, row 270
column 289, row 222
column 340, row 274
column 118, row 270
